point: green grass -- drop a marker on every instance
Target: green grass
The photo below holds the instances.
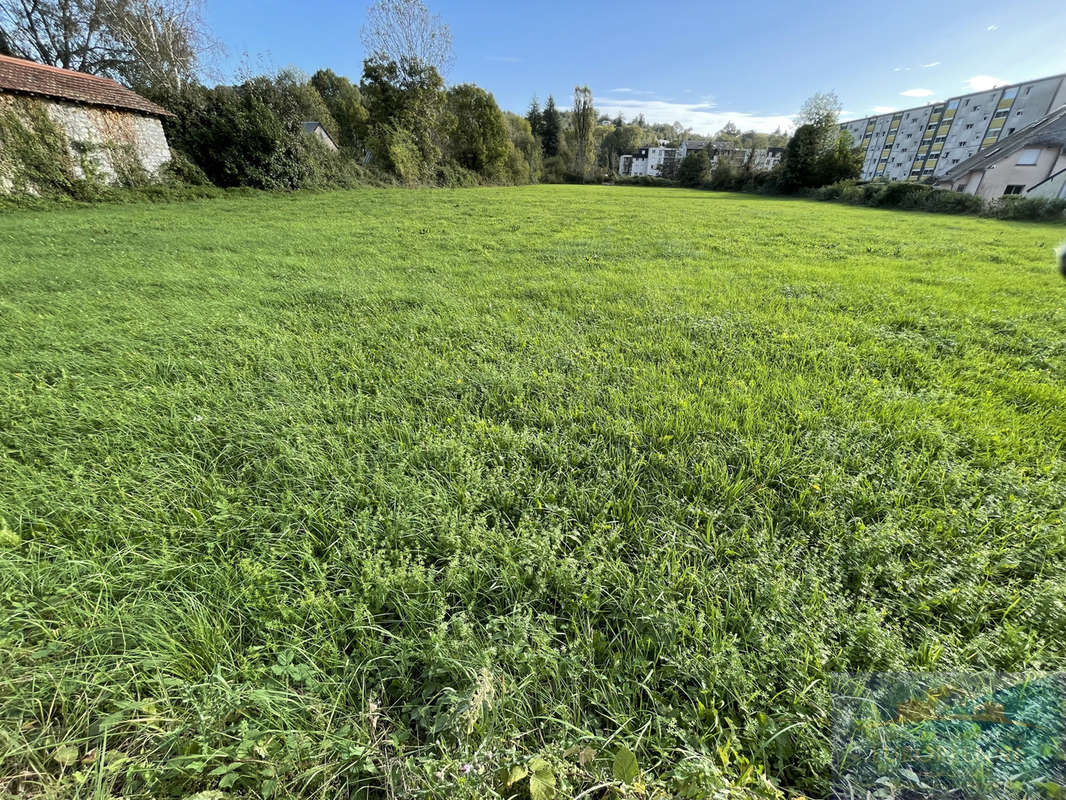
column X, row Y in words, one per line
column 384, row 492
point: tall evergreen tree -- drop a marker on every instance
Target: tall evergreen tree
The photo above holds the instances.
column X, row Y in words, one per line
column 551, row 128
column 535, row 117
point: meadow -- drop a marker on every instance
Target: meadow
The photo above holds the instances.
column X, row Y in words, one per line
column 534, row 492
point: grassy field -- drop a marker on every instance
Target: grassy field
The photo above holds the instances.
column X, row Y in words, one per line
column 457, row 493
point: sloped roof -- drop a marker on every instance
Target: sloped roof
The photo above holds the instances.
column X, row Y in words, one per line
column 1050, row 131
column 19, row 75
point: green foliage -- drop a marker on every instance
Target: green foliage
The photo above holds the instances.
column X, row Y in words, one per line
column 525, row 159
column 251, row 135
column 625, row 768
column 384, row 493
column 1030, row 208
column 619, row 140
column 841, row 163
column 551, row 129
column 535, row 118
column 345, row 105
column 582, row 122
column 910, row 196
column 813, row 159
column 34, row 154
column 479, row 137
column 405, row 105
column 693, row 169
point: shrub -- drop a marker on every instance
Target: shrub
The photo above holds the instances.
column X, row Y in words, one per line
column 1028, row 208
column 643, row 180
column 693, row 169
column 35, row 155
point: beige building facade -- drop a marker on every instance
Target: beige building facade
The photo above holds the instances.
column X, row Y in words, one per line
column 1031, row 163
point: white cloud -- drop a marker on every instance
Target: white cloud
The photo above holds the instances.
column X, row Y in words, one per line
column 897, row 69
column 931, row 64
column 993, row 27
column 982, row 83
column 630, row 91
column 917, row 93
column 702, row 117
column 883, row 109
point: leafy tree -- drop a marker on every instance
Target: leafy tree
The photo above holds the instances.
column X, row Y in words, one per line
column 777, row 139
column 583, row 118
column 525, row 158
column 821, row 110
column 405, row 104
column 405, row 33
column 729, row 133
column 479, row 137
column 813, row 156
column 802, row 156
column 693, row 169
column 551, row 128
column 842, row 162
column 345, row 104
column 753, row 139
column 247, row 135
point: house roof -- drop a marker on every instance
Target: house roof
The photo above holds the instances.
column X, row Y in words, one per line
column 1052, row 177
column 1050, row 131
column 27, row 77
column 311, row 127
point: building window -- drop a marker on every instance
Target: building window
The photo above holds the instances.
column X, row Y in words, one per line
column 1028, row 89
column 969, row 126
column 1028, row 158
column 1014, row 188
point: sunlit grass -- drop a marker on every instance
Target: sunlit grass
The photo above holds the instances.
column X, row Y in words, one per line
column 388, row 491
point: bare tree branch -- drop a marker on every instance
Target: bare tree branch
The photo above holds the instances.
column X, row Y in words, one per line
column 145, row 43
column 404, row 30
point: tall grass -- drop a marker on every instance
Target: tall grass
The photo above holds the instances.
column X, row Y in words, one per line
column 499, row 492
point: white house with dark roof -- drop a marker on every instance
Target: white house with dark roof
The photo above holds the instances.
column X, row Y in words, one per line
column 1030, row 162
column 316, row 130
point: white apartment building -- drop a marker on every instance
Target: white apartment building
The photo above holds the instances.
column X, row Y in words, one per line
column 662, row 161
column 926, row 143
column 1030, row 163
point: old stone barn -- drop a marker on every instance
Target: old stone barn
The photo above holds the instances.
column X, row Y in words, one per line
column 58, row 126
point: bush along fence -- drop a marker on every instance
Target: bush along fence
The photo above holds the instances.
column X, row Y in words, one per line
column 883, row 194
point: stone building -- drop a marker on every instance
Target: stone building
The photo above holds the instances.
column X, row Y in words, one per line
column 108, row 129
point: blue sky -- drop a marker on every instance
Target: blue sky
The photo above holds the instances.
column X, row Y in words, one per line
column 699, row 63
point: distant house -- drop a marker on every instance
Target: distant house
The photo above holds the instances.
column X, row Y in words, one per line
column 1030, row 162
column 108, row 128
column 315, row 129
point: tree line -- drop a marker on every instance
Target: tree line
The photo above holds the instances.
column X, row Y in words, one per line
column 398, row 121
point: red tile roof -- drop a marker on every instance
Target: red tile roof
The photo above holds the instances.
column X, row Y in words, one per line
column 19, row 75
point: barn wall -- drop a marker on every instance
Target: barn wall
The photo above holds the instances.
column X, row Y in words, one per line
column 104, row 143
